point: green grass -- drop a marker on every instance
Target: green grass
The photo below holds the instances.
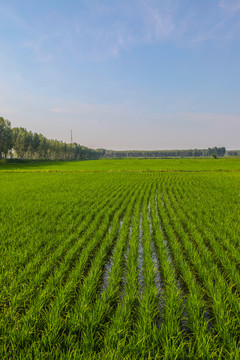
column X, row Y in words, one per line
column 184, row 164
column 120, row 259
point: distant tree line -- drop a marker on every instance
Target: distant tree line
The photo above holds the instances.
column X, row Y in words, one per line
column 215, row 152
column 28, row 145
column 233, row 152
column 19, row 143
column 23, row 144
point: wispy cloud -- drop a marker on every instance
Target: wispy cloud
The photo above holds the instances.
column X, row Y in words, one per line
column 204, row 35
column 230, row 5
column 39, row 50
column 159, row 25
column 218, row 29
column 109, row 33
column 98, row 32
column 9, row 14
column 26, row 36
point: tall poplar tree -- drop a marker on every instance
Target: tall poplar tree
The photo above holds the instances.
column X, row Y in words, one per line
column 5, row 137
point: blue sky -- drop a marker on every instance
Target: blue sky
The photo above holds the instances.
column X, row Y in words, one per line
column 124, row 74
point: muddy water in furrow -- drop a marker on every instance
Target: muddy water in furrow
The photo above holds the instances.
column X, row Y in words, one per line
column 109, row 263
column 140, row 257
column 167, row 249
column 158, row 279
column 125, row 259
column 127, row 251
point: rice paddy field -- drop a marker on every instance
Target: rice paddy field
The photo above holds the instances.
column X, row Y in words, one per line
column 120, row 259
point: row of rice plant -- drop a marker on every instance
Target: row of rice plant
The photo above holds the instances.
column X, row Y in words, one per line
column 120, row 265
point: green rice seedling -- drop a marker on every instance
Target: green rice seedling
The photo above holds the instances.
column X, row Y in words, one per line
column 29, row 241
column 199, row 339
column 46, row 294
column 146, row 329
column 171, row 341
column 222, row 257
column 168, row 240
column 99, row 317
column 47, row 268
column 119, row 337
column 223, row 251
column 222, row 223
column 77, row 319
column 71, row 235
column 222, row 299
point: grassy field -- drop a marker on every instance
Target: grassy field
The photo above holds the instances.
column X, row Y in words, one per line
column 120, row 259
column 202, row 164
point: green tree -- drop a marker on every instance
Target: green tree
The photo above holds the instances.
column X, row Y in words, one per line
column 5, row 137
column 20, row 141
